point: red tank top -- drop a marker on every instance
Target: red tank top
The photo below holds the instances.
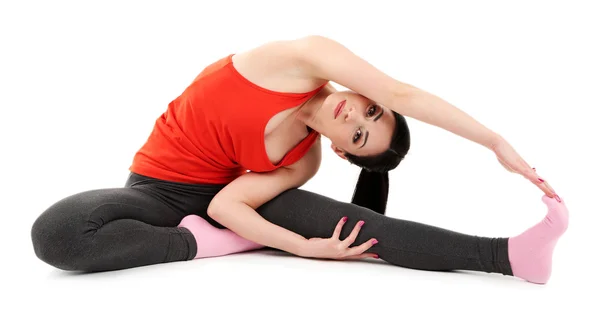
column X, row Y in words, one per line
column 214, row 131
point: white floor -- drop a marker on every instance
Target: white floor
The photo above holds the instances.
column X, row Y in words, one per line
column 82, row 85
column 272, row 279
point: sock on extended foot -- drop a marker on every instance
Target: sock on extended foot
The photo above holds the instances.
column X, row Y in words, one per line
column 530, row 253
column 212, row 241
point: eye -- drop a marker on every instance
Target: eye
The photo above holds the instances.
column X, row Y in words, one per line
column 356, row 136
column 371, row 111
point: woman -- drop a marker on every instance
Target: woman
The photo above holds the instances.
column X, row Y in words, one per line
column 221, row 169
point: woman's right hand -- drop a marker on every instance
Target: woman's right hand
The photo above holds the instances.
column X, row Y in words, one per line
column 512, row 162
column 334, row 248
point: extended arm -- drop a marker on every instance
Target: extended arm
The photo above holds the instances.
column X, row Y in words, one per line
column 325, row 59
column 329, row 60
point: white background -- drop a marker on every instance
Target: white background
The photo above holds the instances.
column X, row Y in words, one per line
column 81, row 84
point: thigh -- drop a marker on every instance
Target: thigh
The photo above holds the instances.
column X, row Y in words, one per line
column 314, row 215
column 180, row 198
column 89, row 210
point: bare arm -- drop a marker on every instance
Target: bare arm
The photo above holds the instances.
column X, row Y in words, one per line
column 235, row 205
column 327, row 59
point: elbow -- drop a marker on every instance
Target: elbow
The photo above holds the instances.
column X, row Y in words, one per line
column 215, row 210
column 220, row 209
column 212, row 211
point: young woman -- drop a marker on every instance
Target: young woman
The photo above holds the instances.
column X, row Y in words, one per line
column 221, row 169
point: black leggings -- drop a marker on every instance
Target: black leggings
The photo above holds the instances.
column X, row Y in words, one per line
column 118, row 228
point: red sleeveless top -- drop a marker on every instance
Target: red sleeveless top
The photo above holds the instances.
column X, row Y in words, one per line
column 214, row 131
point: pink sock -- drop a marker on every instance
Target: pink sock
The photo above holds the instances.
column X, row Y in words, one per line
column 530, row 253
column 212, row 241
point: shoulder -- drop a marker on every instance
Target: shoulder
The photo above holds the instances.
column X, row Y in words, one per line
column 282, row 65
column 286, row 54
column 312, row 60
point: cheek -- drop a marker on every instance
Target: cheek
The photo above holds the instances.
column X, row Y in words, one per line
column 342, row 137
column 337, row 137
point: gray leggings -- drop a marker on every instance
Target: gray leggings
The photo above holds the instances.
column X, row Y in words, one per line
column 117, row 228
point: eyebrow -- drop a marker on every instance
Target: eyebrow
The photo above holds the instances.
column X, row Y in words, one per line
column 378, row 116
column 367, row 134
column 365, row 142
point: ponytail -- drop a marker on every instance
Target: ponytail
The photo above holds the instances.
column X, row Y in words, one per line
column 372, row 190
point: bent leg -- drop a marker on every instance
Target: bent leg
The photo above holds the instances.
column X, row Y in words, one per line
column 401, row 242
column 212, row 241
column 110, row 229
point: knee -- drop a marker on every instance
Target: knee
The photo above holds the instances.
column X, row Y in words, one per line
column 56, row 236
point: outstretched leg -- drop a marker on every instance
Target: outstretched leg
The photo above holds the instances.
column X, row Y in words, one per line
column 402, row 242
column 530, row 253
column 420, row 246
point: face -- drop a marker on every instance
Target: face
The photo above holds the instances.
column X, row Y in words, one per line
column 355, row 124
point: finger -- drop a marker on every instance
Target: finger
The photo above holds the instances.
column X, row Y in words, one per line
column 362, row 256
column 541, row 183
column 362, row 248
column 338, row 228
column 352, row 237
column 546, row 188
column 531, row 174
column 528, row 171
column 549, row 187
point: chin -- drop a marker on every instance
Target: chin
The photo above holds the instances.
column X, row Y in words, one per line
column 329, row 99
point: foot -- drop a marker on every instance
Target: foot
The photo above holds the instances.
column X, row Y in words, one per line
column 530, row 253
column 212, row 241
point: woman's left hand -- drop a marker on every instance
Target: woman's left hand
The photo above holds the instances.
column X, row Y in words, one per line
column 512, row 161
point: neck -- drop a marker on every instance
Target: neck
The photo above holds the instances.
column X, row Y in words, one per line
column 308, row 111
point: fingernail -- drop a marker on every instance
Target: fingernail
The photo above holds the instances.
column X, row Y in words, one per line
column 374, row 241
column 558, row 198
column 376, row 256
column 540, row 179
column 360, row 223
column 345, row 219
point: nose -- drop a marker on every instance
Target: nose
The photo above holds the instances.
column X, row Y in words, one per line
column 351, row 114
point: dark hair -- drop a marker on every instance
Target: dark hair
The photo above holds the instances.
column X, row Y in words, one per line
column 372, row 188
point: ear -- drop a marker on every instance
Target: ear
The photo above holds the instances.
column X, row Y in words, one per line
column 338, row 151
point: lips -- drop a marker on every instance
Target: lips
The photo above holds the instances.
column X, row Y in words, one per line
column 338, row 109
